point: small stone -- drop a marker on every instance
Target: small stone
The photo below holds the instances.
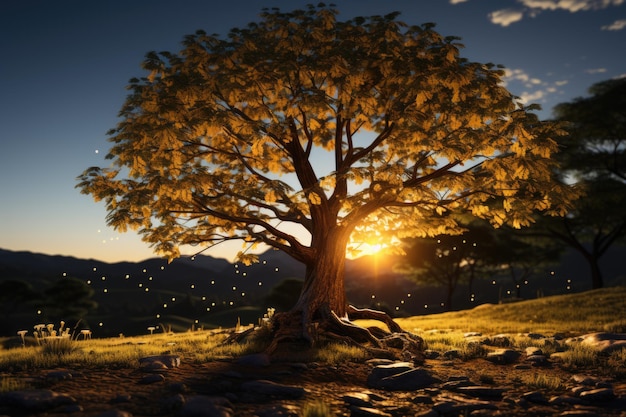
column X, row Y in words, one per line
column 273, row 389
column 431, row 354
column 204, row 406
column 383, row 371
column 452, row 354
column 532, row 351
column 170, row 361
column 535, row 397
column 422, row 399
column 411, row 380
column 481, row 392
column 151, row 379
column 598, row 395
column 503, row 356
column 367, row 412
column 358, row 399
column 59, row 375
column 538, row 360
column 579, row 413
column 565, row 400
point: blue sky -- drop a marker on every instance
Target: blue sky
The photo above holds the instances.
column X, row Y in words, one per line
column 65, row 65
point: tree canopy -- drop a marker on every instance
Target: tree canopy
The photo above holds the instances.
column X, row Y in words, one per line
column 303, row 132
column 594, row 156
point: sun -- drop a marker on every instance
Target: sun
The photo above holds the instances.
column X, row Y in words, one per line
column 358, row 250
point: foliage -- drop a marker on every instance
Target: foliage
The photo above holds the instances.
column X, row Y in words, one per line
column 594, row 155
column 208, row 133
column 285, row 294
column 304, row 133
column 70, row 299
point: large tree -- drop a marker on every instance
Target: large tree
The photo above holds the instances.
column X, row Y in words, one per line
column 594, row 156
column 304, row 133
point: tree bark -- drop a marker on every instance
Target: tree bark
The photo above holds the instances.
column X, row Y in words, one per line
column 323, row 291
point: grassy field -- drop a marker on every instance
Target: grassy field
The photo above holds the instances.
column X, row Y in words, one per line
column 569, row 315
column 586, row 312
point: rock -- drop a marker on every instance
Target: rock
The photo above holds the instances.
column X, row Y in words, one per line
column 36, row 400
column 170, row 361
column 579, row 413
column 452, row 354
column 367, row 412
column 457, row 405
column 383, row 371
column 273, row 389
column 605, row 342
column 538, row 360
column 59, row 375
column 431, row 354
column 410, row 380
column 480, row 391
column 204, row 406
column 359, row 399
column 501, row 340
column 598, row 395
column 151, row 379
column 533, row 350
column 256, row 360
column 422, row 399
column 503, row 356
column 584, row 380
column 535, row 397
column 280, row 410
column 565, row 400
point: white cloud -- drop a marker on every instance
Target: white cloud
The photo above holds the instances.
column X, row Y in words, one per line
column 617, row 25
column 457, row 1
column 532, row 8
column 570, row 5
column 505, row 17
column 595, row 70
column 534, row 90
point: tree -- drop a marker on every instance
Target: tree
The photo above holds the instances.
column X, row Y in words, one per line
column 448, row 260
column 305, row 133
column 594, row 155
column 69, row 299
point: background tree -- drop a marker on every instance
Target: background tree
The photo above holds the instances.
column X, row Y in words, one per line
column 68, row 299
column 594, row 156
column 518, row 257
column 449, row 260
column 305, row 133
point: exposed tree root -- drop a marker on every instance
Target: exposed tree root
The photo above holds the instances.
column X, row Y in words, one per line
column 289, row 329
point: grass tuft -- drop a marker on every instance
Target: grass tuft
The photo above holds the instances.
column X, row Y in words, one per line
column 543, row 381
column 317, row 408
column 337, row 353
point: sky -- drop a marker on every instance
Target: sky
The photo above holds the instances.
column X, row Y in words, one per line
column 64, row 66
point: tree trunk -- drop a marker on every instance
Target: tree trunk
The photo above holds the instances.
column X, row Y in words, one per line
column 597, row 281
column 323, row 290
